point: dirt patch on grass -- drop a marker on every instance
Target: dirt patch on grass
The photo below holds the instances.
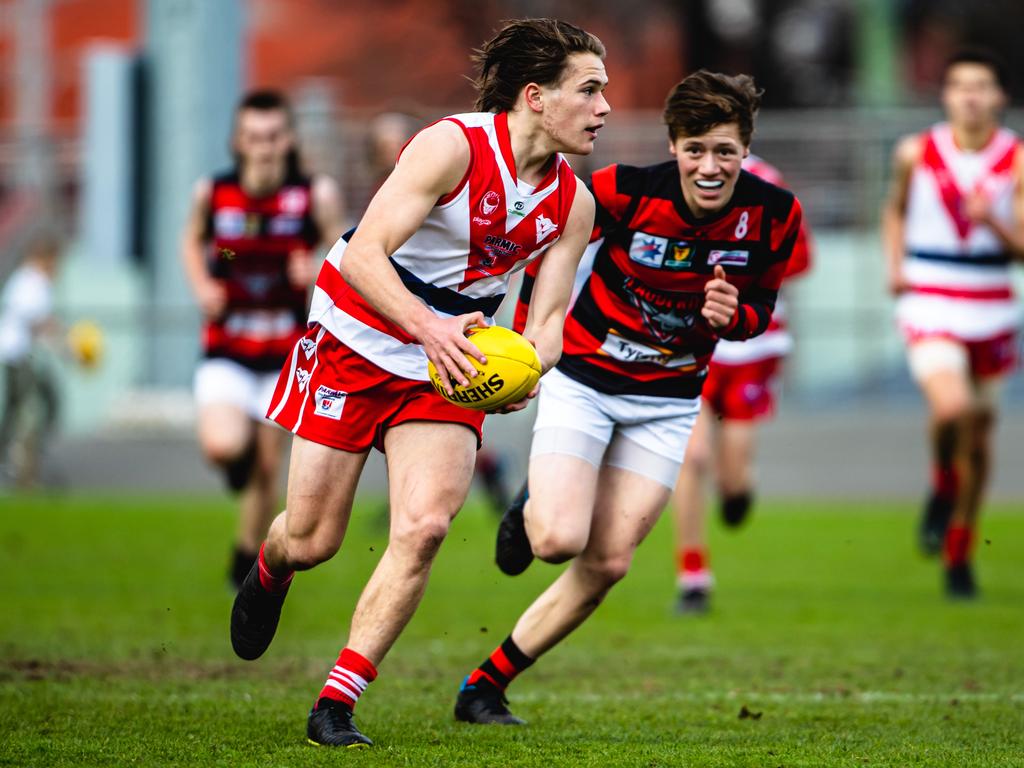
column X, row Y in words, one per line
column 158, row 667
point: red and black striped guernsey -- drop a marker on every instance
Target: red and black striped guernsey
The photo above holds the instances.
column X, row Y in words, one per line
column 636, row 326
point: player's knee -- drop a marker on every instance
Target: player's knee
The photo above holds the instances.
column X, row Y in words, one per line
column 219, row 450
column 608, row 571
column 305, row 552
column 422, row 537
column 951, row 409
column 554, row 546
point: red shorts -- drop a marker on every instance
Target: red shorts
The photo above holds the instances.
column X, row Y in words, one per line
column 987, row 357
column 742, row 392
column 330, row 395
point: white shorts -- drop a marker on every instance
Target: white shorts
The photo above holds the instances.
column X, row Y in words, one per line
column 643, row 434
column 225, row 382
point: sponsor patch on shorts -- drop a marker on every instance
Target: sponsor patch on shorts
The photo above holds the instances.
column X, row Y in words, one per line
column 329, row 402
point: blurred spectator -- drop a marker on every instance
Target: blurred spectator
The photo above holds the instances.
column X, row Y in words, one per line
column 27, row 326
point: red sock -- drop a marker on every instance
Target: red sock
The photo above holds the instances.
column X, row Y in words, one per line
column 270, row 582
column 502, row 666
column 958, row 544
column 692, row 568
column 349, row 678
column 944, row 481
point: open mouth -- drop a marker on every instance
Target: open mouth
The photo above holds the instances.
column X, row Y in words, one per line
column 593, row 129
column 710, row 186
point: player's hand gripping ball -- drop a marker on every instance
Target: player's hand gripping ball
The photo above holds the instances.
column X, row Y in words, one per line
column 512, row 371
column 85, row 340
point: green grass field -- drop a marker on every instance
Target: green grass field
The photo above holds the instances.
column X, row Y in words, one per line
column 827, row 624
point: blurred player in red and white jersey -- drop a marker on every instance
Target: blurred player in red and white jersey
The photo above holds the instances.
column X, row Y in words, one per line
column 686, row 252
column 248, row 251
column 473, row 198
column 953, row 223
column 738, row 393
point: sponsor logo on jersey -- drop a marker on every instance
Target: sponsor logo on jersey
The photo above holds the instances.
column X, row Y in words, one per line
column 648, row 250
column 229, row 223
column 308, row 347
column 482, row 222
column 258, row 285
column 498, row 248
column 489, row 203
column 727, row 258
column 284, row 225
column 679, row 256
column 517, row 209
column 545, row 227
column 630, row 351
column 293, row 200
column 329, row 402
column 302, row 378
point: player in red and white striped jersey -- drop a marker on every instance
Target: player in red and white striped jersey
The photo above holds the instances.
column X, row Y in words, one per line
column 472, row 199
column 248, row 251
column 686, row 252
column 738, row 393
column 953, row 224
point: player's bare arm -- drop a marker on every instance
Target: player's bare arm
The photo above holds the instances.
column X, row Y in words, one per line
column 978, row 208
column 553, row 288
column 329, row 214
column 209, row 293
column 432, row 165
column 905, row 156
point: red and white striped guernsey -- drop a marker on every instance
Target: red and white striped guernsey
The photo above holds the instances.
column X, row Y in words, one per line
column 462, row 256
column 958, row 272
column 776, row 341
column 250, row 242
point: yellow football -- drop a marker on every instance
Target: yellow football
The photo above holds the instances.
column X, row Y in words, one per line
column 512, row 370
column 85, row 340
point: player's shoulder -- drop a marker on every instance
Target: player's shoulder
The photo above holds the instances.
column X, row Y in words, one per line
column 659, row 180
column 753, row 190
column 910, row 147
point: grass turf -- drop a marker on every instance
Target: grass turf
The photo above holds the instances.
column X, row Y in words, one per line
column 828, row 630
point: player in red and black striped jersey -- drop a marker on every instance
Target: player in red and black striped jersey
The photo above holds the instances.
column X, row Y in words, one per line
column 685, row 253
column 248, row 252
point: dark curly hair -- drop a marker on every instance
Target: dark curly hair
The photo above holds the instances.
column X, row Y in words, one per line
column 705, row 99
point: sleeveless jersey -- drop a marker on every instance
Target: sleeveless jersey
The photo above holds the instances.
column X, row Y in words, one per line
column 776, row 341
column 250, row 242
column 958, row 272
column 636, row 327
column 462, row 256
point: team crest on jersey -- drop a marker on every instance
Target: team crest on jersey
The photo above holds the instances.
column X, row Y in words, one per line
column 545, row 227
column 229, row 223
column 489, row 203
column 729, row 258
column 665, row 316
column 648, row 250
column 302, row 378
column 308, row 346
column 679, row 256
column 329, row 402
column 293, row 200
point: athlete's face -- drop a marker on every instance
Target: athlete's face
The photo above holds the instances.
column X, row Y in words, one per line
column 574, row 109
column 263, row 138
column 972, row 96
column 709, row 166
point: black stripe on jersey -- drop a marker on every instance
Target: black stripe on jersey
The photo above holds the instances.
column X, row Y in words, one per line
column 612, row 383
column 445, row 299
column 990, row 260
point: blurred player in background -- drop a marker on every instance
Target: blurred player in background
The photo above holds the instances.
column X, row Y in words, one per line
column 691, row 250
column 953, row 223
column 739, row 392
column 27, row 327
column 248, row 250
column 473, row 198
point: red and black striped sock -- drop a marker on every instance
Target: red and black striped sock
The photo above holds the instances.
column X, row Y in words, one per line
column 502, row 666
column 945, row 481
column 270, row 582
column 959, row 539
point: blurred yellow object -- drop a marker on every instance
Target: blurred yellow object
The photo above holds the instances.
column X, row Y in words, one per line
column 85, row 339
